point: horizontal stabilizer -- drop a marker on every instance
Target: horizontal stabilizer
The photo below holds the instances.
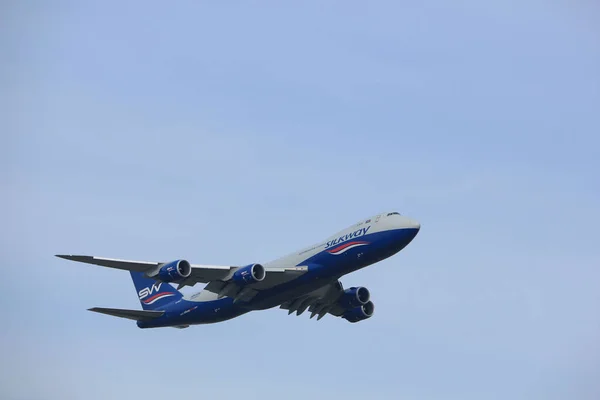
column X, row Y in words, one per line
column 136, row 315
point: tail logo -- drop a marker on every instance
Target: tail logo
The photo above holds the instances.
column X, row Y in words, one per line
column 145, row 292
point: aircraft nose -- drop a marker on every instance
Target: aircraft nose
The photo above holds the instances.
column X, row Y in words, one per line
column 406, row 230
column 408, row 223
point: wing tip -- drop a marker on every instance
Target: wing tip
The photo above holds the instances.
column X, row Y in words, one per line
column 71, row 257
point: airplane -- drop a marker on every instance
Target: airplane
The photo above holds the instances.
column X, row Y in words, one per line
column 305, row 280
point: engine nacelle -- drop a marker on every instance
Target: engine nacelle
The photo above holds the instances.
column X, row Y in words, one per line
column 249, row 274
column 355, row 297
column 360, row 313
column 175, row 271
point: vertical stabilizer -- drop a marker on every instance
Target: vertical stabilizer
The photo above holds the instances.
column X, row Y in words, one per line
column 154, row 295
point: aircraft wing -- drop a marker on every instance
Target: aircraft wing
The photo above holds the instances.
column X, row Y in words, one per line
column 323, row 301
column 319, row 302
column 200, row 273
column 218, row 275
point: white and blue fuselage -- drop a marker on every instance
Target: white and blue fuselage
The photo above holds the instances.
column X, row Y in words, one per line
column 356, row 247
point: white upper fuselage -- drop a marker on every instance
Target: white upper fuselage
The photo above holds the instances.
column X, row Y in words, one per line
column 390, row 221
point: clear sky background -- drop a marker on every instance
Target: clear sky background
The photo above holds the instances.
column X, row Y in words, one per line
column 232, row 133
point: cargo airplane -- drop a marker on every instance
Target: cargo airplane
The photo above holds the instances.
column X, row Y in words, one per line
column 304, row 280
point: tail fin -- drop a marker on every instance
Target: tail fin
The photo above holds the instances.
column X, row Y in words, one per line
column 153, row 295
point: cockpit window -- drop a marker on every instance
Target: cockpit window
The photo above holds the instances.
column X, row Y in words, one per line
column 393, row 213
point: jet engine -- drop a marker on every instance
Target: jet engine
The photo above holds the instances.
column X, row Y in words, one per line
column 175, row 271
column 360, row 313
column 354, row 297
column 249, row 274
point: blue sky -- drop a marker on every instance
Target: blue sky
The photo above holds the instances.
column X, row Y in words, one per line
column 236, row 133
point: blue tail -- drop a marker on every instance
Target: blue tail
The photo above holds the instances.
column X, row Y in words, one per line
column 154, row 295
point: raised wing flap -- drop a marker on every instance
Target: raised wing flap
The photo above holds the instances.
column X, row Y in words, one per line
column 273, row 277
column 208, row 273
column 277, row 276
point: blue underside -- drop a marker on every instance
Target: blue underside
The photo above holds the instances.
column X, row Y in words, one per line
column 322, row 269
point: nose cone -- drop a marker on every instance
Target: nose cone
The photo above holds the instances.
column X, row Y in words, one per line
column 405, row 230
column 408, row 223
column 409, row 228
